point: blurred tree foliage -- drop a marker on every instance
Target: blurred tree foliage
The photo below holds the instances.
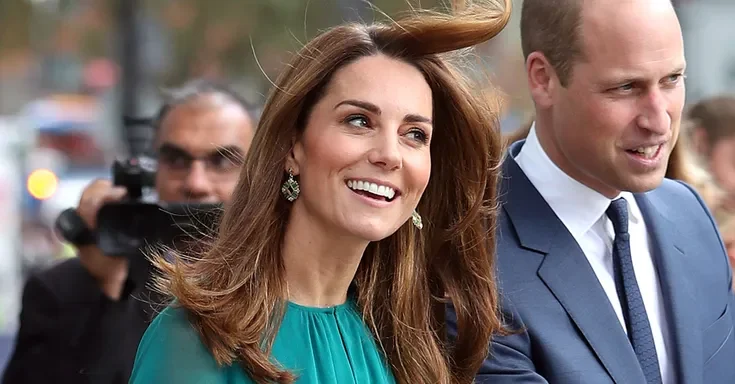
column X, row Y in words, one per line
column 243, row 42
column 245, row 37
column 15, row 16
column 220, row 38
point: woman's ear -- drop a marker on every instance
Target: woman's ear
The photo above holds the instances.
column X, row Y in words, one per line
column 294, row 158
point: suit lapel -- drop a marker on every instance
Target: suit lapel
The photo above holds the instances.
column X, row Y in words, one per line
column 678, row 293
column 567, row 273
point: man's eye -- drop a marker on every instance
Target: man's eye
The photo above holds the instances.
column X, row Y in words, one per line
column 673, row 79
column 175, row 161
column 225, row 162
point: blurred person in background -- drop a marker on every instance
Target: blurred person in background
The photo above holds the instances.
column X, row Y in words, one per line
column 82, row 319
column 713, row 138
column 361, row 211
column 684, row 165
column 609, row 272
column 726, row 223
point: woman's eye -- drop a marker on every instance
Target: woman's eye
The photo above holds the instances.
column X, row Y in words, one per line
column 358, row 121
column 418, row 135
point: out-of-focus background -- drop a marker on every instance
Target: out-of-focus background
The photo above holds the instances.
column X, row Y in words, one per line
column 61, row 66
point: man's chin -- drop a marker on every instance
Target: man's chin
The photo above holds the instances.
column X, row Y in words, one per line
column 643, row 184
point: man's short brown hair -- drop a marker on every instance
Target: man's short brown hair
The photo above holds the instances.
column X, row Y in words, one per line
column 552, row 27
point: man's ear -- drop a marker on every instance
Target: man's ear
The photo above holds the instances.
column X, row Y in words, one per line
column 542, row 79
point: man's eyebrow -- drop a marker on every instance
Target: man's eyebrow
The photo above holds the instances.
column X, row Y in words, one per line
column 232, row 151
column 172, row 149
column 637, row 77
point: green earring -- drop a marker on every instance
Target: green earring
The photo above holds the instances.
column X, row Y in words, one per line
column 290, row 188
column 416, row 219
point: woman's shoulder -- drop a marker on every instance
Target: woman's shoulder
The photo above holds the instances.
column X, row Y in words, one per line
column 172, row 351
column 170, row 329
column 173, row 321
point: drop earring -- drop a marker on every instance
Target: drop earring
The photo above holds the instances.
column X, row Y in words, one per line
column 290, row 188
column 416, row 219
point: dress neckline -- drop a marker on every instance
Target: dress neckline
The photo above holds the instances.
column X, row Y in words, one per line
column 329, row 310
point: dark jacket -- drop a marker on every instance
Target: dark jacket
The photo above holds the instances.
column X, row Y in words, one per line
column 70, row 332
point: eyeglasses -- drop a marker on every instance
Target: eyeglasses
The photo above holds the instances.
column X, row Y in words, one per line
column 220, row 162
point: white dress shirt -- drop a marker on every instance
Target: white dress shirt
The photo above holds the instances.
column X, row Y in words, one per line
column 582, row 210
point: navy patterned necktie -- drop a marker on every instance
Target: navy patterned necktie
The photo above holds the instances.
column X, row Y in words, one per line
column 634, row 311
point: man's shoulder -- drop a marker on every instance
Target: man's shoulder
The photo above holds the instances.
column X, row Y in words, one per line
column 61, row 268
column 676, row 191
column 60, row 273
column 681, row 202
column 64, row 280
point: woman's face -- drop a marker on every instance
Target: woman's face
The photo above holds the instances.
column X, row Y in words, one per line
column 729, row 240
column 363, row 161
column 722, row 163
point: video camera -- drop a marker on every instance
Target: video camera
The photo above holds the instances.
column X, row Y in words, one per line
column 124, row 228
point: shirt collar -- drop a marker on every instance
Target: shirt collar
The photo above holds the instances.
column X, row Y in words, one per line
column 577, row 206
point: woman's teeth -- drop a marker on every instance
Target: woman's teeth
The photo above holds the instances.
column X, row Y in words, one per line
column 375, row 189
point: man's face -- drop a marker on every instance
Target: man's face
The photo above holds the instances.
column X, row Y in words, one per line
column 200, row 148
column 613, row 126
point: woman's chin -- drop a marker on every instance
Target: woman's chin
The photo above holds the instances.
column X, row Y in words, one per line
column 372, row 232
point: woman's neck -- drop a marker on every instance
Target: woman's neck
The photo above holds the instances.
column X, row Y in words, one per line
column 319, row 264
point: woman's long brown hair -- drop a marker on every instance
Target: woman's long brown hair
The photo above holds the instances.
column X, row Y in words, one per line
column 235, row 291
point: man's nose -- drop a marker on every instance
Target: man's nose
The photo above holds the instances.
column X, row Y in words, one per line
column 197, row 184
column 655, row 114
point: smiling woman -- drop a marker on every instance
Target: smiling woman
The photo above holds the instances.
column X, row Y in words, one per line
column 364, row 206
column 371, row 129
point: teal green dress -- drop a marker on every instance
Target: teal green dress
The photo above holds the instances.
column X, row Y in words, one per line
column 319, row 345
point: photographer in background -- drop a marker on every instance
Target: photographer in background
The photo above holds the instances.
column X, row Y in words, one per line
column 82, row 319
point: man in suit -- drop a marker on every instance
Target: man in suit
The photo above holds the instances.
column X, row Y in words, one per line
column 607, row 272
column 82, row 320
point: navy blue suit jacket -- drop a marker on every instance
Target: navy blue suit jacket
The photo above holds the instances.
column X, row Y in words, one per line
column 569, row 331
